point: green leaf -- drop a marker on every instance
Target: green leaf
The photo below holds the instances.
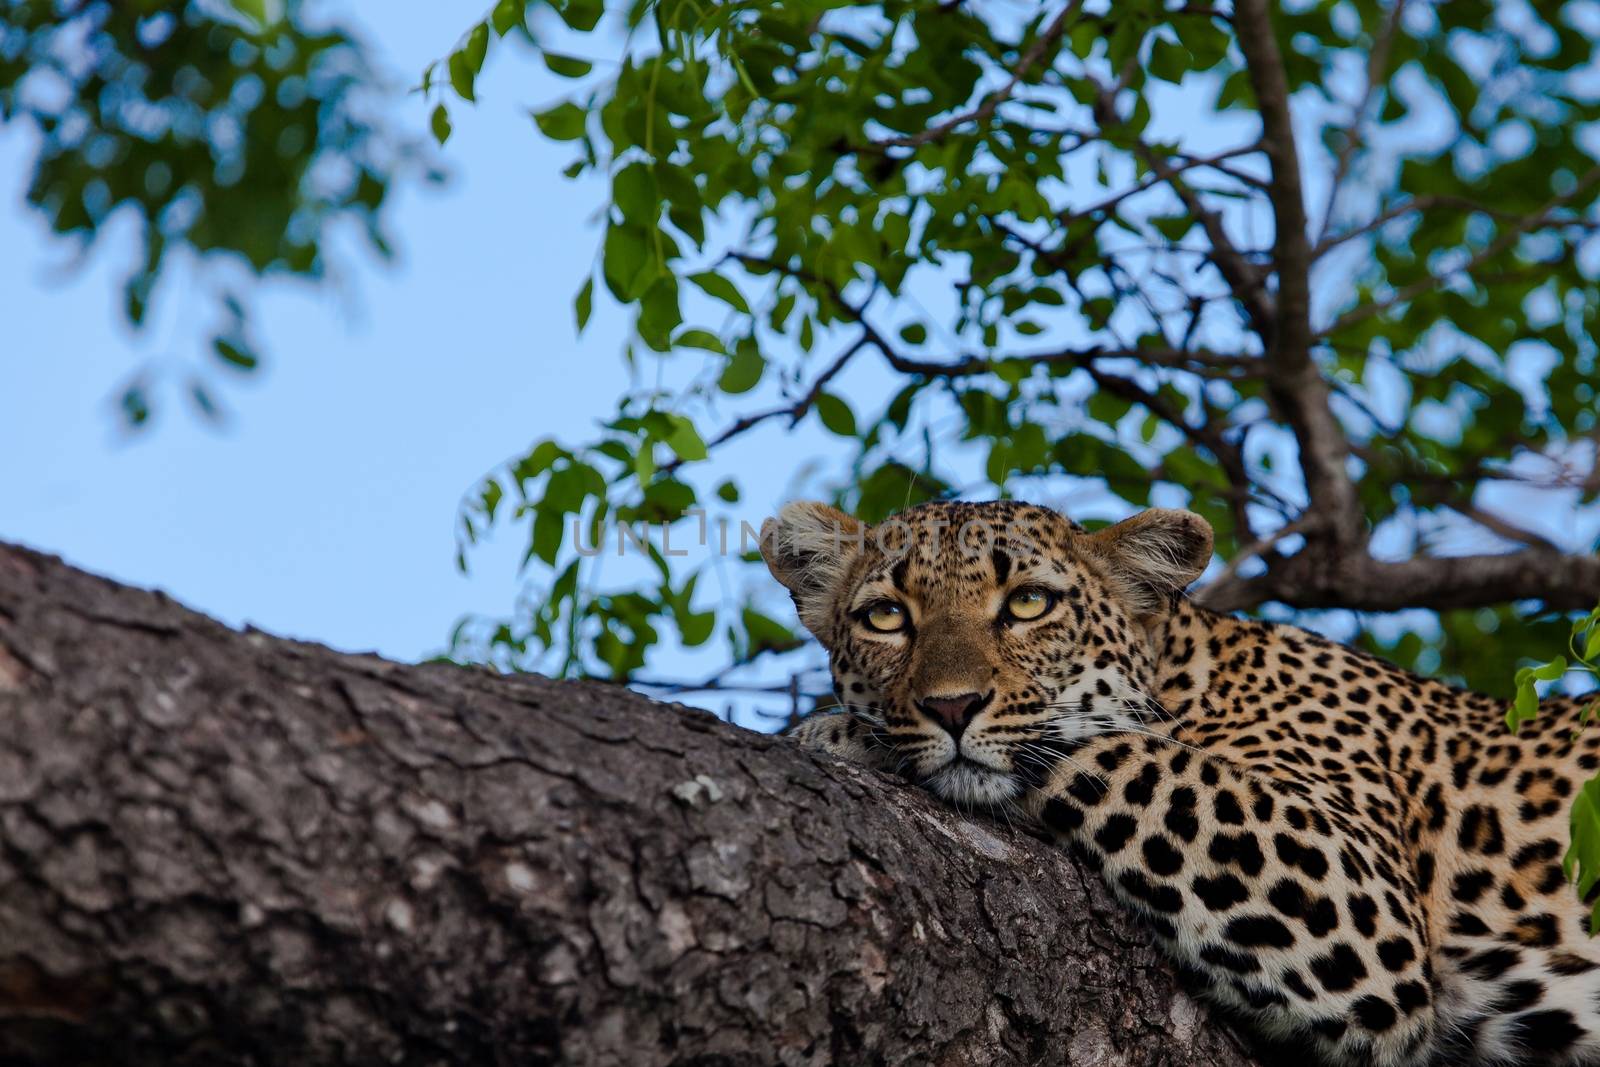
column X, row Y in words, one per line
column 1550, row 671
column 743, row 371
column 633, row 190
column 835, row 414
column 1168, row 62
column 717, row 287
column 695, row 628
column 1173, row 227
column 685, row 440
column 765, row 634
column 235, row 355
column 584, row 304
column 462, row 76
column 440, row 124
column 914, row 334
column 627, row 264
column 729, row 492
column 507, row 16
column 1525, row 708
column 254, row 10
column 477, row 47
column 1582, row 860
column 546, row 542
column 567, row 66
column 702, row 339
column 564, row 122
column 582, row 15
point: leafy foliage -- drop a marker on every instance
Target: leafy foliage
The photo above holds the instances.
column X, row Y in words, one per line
column 229, row 131
column 1065, row 291
column 1582, row 860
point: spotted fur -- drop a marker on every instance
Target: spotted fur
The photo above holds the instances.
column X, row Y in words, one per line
column 1348, row 854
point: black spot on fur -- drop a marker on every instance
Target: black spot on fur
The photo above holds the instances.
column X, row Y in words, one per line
column 1364, row 913
column 1115, row 833
column 1160, row 897
column 1297, row 985
column 1161, row 856
column 1181, row 818
column 1086, row 789
column 1411, row 996
column 1002, row 565
column 1294, row 853
column 1242, row 849
column 1331, row 1029
column 1062, row 817
column 1340, row 969
column 1141, row 789
column 1547, row 1032
column 1518, row 996
column 1538, row 931
column 1568, row 964
column 1227, row 808
column 1228, row 959
column 1374, row 1013
column 1288, row 897
column 1470, row 885
column 1492, row 963
column 1396, row 952
column 1258, row 931
column 1220, row 893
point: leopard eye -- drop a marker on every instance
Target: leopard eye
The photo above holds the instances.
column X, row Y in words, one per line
column 886, row 617
column 1029, row 604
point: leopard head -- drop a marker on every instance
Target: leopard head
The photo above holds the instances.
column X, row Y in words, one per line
column 983, row 641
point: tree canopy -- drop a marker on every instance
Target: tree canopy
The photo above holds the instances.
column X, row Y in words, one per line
column 1336, row 312
column 1323, row 272
column 240, row 132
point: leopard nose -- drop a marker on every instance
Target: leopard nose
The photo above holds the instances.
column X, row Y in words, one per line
column 955, row 712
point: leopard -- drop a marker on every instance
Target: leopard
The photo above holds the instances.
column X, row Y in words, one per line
column 1347, row 856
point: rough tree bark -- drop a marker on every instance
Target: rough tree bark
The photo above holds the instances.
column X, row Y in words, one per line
column 221, row 847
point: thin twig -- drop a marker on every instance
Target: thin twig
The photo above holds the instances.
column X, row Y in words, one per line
column 1377, row 62
column 1546, row 216
column 987, row 106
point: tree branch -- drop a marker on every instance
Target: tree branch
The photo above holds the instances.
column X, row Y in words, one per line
column 1221, row 588
column 1523, row 226
column 1243, row 278
column 1312, row 580
column 222, row 849
column 795, row 411
column 1229, row 456
column 991, row 102
column 1293, row 380
column 1377, row 62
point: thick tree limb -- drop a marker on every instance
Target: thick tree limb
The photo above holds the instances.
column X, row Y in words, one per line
column 225, row 848
column 1360, row 583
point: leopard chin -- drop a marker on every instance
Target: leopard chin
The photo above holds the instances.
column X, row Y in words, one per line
column 969, row 785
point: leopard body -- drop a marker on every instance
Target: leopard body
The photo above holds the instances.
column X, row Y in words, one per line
column 1347, row 854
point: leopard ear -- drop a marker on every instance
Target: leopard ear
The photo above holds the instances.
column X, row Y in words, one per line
column 809, row 548
column 1154, row 555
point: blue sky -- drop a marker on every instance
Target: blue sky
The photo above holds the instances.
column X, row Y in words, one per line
column 324, row 508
